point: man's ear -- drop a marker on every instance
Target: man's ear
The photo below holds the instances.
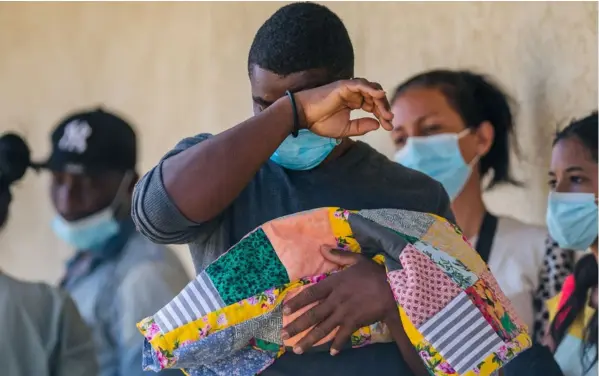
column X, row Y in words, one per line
column 485, row 136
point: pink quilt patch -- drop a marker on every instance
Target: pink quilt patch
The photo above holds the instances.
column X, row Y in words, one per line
column 421, row 288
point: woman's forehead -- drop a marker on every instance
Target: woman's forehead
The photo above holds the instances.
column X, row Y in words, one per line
column 571, row 152
column 417, row 105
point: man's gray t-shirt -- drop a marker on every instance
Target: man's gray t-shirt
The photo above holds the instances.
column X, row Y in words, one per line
column 362, row 178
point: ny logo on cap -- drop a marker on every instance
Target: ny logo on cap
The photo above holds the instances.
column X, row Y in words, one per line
column 74, row 138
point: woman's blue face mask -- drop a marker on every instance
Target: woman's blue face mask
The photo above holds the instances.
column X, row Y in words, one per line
column 572, row 205
column 439, row 157
column 572, row 219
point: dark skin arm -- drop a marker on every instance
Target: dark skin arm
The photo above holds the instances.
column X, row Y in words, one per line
column 406, row 348
column 205, row 179
column 348, row 300
column 219, row 168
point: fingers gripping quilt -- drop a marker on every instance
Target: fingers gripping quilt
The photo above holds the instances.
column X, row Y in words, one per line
column 228, row 320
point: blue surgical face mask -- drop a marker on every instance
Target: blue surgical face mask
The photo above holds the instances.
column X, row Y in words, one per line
column 304, row 152
column 440, row 158
column 572, row 219
column 89, row 233
column 94, row 231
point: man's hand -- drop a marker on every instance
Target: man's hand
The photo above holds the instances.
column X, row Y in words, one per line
column 350, row 299
column 326, row 109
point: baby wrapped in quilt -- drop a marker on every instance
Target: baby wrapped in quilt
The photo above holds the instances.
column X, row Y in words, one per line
column 228, row 320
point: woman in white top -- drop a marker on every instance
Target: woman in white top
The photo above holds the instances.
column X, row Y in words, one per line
column 42, row 331
column 455, row 126
column 572, row 221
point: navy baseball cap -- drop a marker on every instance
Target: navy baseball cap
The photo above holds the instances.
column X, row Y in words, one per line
column 92, row 141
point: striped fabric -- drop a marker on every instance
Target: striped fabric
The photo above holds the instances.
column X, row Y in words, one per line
column 197, row 299
column 461, row 334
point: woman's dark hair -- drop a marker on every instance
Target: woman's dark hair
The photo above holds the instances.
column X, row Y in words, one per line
column 476, row 98
column 14, row 160
column 584, row 130
column 585, row 279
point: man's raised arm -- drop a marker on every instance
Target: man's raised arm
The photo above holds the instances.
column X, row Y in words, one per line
column 192, row 187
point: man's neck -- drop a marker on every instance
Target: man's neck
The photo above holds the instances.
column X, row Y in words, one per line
column 340, row 149
column 469, row 208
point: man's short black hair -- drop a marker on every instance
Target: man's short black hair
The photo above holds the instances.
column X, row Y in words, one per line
column 303, row 36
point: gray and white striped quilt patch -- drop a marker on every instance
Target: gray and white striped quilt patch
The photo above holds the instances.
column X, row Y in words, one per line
column 461, row 334
column 196, row 300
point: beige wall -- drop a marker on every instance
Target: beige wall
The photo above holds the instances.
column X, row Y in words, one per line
column 177, row 69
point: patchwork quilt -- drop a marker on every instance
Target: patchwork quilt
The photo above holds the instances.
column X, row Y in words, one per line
column 228, row 320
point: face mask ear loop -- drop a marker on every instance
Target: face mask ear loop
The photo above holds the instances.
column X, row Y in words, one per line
column 463, row 133
column 474, row 161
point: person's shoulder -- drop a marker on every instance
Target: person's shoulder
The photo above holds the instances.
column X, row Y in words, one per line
column 516, row 228
column 31, row 288
column 523, row 238
column 35, row 294
column 141, row 250
column 391, row 171
column 188, row 142
column 399, row 186
column 269, row 173
column 142, row 259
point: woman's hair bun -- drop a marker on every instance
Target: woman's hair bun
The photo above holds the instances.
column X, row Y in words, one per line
column 15, row 158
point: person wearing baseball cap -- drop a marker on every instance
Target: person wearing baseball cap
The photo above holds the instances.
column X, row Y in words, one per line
column 116, row 276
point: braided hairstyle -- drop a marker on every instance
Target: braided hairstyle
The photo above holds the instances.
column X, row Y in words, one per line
column 14, row 161
column 586, row 270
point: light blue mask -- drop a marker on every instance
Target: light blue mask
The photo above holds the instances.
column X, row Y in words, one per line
column 572, row 219
column 440, row 158
column 92, row 232
column 304, row 152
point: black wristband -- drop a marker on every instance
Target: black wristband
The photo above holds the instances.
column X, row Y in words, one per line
column 295, row 131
